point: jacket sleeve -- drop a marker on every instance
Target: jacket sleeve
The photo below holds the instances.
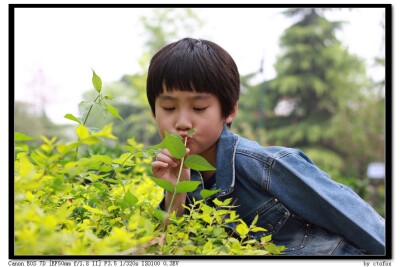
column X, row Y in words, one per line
column 309, row 192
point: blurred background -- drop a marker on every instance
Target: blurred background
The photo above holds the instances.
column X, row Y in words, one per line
column 312, row 78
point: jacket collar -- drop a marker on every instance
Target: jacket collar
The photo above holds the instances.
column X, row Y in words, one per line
column 225, row 162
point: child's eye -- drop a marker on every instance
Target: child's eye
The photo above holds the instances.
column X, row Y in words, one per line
column 168, row 109
column 200, row 109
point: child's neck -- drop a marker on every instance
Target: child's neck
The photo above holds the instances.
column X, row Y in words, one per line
column 206, row 175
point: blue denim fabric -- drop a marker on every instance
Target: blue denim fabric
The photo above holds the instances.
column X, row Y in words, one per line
column 300, row 206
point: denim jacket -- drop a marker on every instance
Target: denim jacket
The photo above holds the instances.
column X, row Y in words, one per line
column 300, row 206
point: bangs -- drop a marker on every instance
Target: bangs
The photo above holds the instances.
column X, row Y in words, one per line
column 189, row 68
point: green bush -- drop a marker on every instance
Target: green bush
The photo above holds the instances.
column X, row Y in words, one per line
column 99, row 205
column 105, row 203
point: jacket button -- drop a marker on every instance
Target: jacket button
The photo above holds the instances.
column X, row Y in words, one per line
column 276, row 200
column 286, row 213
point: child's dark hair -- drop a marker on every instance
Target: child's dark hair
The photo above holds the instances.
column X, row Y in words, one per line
column 194, row 65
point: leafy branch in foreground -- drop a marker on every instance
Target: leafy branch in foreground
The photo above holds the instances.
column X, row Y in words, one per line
column 85, row 107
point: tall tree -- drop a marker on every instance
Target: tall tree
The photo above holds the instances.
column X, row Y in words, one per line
column 318, row 81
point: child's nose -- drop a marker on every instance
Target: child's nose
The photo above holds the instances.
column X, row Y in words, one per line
column 183, row 122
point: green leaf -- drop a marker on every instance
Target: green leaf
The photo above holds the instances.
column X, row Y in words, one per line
column 91, row 140
column 207, row 193
column 47, row 141
column 236, row 246
column 112, row 181
column 113, row 111
column 122, row 204
column 167, row 185
column 254, row 221
column 22, row 137
column 161, row 145
column 106, row 168
column 120, row 169
column 198, row 163
column 206, row 209
column 104, row 108
column 175, row 146
column 129, row 148
column 64, row 148
column 93, row 210
column 207, row 218
column 142, row 155
column 126, row 156
column 152, row 150
column 208, row 246
column 125, row 163
column 106, row 132
column 160, row 214
column 218, row 231
column 92, row 129
column 251, row 241
column 242, row 229
column 233, row 240
column 130, row 199
column 187, row 186
column 84, row 107
column 226, row 201
column 103, row 158
column 72, row 118
column 22, row 146
column 190, row 248
column 190, row 132
column 82, row 132
column 37, row 158
column 266, row 238
column 217, row 202
column 96, row 82
column 258, row 229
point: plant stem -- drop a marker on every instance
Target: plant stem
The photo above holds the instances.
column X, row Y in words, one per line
column 119, row 177
column 226, row 241
column 84, row 123
column 127, row 229
column 179, row 177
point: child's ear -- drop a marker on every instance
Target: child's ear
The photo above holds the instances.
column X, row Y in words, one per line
column 232, row 115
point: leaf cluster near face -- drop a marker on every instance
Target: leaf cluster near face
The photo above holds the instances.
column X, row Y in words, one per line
column 174, row 144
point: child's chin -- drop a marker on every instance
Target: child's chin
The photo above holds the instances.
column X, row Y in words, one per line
column 192, row 149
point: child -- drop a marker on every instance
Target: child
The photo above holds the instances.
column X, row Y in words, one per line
column 195, row 84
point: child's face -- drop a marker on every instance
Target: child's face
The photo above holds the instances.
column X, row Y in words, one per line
column 179, row 111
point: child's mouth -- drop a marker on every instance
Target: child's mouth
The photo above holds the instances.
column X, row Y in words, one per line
column 186, row 136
